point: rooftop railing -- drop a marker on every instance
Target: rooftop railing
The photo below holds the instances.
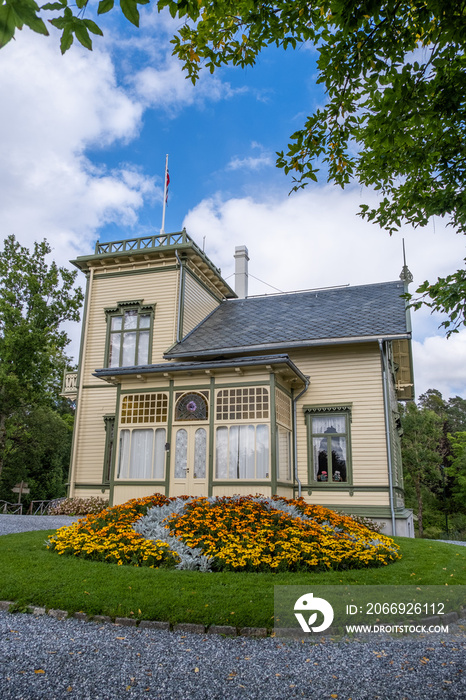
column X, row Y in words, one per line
column 145, row 243
column 150, row 243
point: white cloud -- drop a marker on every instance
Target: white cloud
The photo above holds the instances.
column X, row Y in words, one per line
column 262, row 160
column 314, row 239
column 440, row 364
column 166, row 87
column 53, row 109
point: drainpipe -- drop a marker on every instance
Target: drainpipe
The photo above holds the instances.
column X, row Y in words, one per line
column 386, row 399
column 295, row 437
column 180, row 289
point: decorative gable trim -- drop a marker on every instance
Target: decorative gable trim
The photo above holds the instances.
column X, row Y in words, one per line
column 128, row 304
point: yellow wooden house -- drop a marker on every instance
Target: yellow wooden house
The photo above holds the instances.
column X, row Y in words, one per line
column 185, row 386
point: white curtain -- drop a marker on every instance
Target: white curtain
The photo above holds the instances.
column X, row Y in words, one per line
column 321, row 424
column 123, row 465
column 142, row 442
column 159, row 453
column 242, row 452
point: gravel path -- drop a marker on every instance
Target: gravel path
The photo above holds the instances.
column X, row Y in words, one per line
column 11, row 524
column 48, row 659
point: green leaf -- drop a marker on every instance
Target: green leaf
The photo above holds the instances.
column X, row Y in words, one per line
column 66, row 39
column 93, row 27
column 105, row 6
column 9, row 21
column 82, row 35
column 130, row 11
column 54, row 6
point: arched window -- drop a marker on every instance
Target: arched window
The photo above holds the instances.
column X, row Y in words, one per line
column 191, row 406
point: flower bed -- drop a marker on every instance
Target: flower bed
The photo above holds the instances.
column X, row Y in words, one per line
column 231, row 533
column 77, row 506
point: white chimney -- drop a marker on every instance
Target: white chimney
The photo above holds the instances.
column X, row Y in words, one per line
column 241, row 271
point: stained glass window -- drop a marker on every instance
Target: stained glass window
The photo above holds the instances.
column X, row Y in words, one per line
column 192, row 406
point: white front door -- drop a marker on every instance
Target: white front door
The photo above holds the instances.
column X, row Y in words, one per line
column 189, row 461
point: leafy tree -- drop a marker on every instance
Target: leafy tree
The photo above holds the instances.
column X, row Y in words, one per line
column 38, row 453
column 35, row 298
column 452, row 413
column 394, row 75
column 422, row 431
column 457, row 469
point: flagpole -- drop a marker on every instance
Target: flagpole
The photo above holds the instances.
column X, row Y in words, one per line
column 165, row 185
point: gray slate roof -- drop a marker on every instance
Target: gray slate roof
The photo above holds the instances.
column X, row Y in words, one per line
column 303, row 318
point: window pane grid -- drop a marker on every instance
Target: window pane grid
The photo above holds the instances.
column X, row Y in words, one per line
column 283, row 409
column 243, row 403
column 144, row 408
column 129, row 342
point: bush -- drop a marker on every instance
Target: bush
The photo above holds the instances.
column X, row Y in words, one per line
column 78, row 506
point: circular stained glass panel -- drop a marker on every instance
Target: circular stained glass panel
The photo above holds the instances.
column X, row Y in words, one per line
column 192, row 406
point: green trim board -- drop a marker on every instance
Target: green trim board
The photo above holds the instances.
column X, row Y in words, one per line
column 344, row 487
column 169, row 437
column 110, row 439
column 242, row 482
column 141, row 482
column 182, row 288
column 233, row 385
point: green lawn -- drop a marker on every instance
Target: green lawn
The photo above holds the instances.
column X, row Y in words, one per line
column 31, row 574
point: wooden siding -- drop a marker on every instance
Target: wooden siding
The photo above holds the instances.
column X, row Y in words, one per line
column 239, row 490
column 90, row 435
column 123, row 493
column 347, row 375
column 154, row 287
column 345, row 501
column 92, row 493
column 198, row 303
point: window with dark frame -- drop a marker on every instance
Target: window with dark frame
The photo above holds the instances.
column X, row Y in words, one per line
column 129, row 335
column 328, row 441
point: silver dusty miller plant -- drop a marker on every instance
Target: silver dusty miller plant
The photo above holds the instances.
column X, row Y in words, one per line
column 153, row 527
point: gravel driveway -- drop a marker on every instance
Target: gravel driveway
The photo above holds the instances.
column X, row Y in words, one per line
column 44, row 658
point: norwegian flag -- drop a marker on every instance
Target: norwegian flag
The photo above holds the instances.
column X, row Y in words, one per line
column 167, row 182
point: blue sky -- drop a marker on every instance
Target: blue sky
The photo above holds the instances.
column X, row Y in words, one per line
column 83, row 152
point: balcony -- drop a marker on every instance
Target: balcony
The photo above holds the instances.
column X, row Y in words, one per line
column 70, row 386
